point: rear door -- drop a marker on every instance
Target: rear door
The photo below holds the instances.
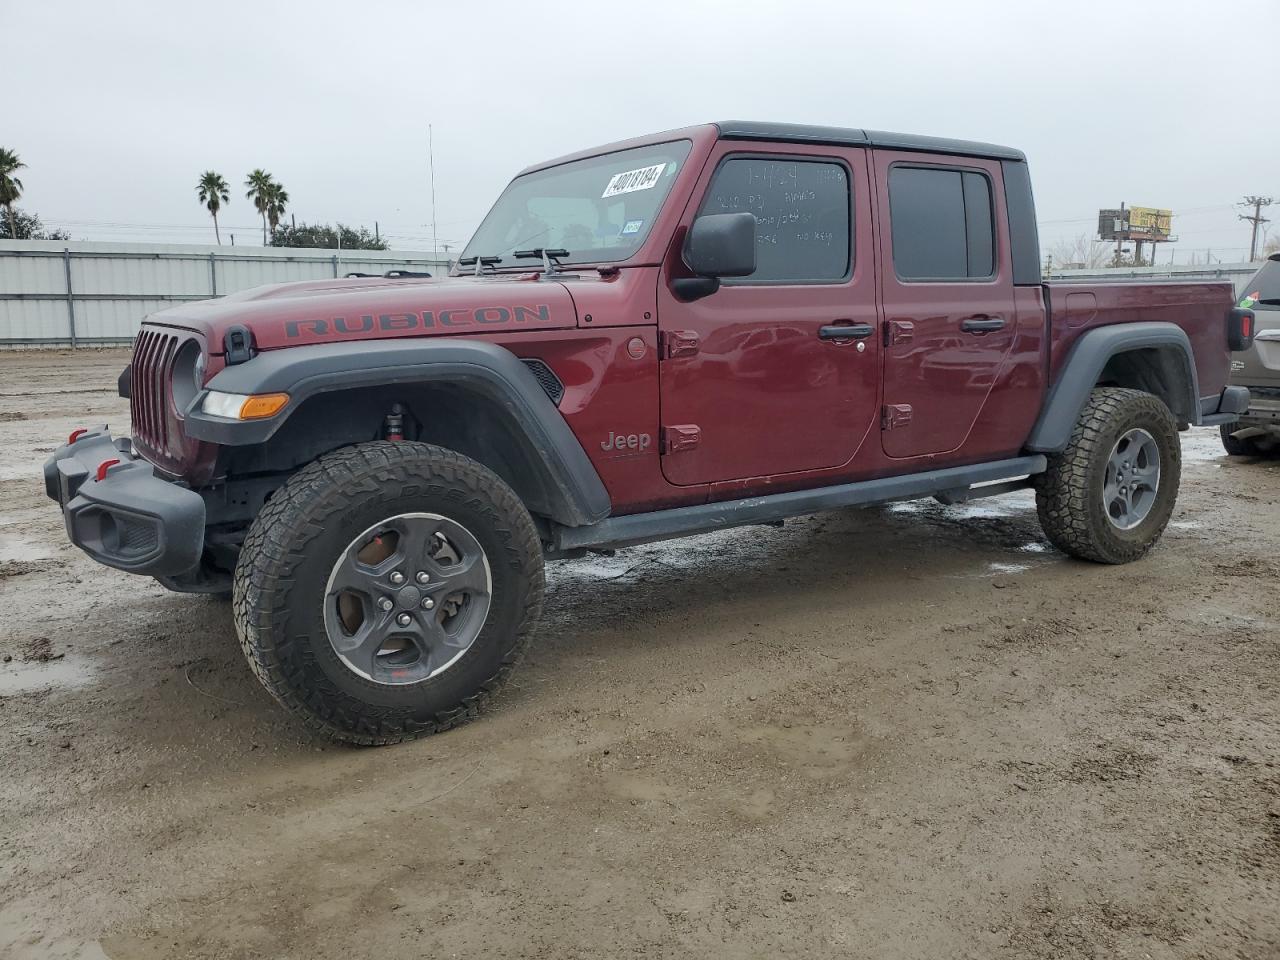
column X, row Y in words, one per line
column 947, row 298
column 756, row 381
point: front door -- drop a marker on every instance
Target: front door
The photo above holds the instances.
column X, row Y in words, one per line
column 757, row 379
column 947, row 296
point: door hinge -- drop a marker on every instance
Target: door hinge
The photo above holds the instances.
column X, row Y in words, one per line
column 678, row 343
column 682, row 436
column 894, row 415
column 898, row 331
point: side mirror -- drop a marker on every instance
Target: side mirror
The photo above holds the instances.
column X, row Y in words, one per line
column 718, row 245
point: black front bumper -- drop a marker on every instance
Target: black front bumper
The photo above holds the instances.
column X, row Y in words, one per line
column 124, row 515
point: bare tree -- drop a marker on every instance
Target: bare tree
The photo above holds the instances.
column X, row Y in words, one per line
column 1081, row 251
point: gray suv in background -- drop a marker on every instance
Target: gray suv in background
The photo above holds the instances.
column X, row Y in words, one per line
column 1258, row 368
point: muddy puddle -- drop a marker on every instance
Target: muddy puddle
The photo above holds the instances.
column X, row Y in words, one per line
column 20, row 677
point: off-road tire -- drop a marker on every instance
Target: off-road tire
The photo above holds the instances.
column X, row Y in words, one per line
column 1238, row 448
column 1069, row 494
column 281, row 577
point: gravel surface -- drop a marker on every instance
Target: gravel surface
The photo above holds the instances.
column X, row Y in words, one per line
column 916, row 731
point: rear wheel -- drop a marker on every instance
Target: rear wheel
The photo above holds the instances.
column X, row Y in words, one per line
column 1238, row 448
column 1109, row 495
column 387, row 590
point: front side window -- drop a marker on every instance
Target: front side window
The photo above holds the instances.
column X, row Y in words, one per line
column 802, row 215
column 941, row 223
column 599, row 209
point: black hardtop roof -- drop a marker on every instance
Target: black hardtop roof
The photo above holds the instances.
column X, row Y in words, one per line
column 852, row 137
column 748, row 130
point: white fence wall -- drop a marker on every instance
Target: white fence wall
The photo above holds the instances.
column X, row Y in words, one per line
column 107, row 288
column 59, row 293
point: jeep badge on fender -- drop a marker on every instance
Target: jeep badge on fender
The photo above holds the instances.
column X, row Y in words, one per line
column 630, row 441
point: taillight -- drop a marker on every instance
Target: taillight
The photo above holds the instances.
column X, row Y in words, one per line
column 1240, row 326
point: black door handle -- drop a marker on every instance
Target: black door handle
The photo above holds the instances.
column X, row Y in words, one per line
column 982, row 324
column 846, row 331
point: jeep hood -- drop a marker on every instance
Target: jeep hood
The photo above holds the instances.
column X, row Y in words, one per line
column 324, row 311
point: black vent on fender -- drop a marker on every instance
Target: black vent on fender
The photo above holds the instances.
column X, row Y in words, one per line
column 547, row 379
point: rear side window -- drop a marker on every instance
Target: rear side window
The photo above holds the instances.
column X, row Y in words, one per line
column 941, row 223
column 1263, row 291
column 802, row 215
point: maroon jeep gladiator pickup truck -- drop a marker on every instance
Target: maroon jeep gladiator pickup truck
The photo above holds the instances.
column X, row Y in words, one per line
column 724, row 325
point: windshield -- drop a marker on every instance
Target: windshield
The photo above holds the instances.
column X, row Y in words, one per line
column 598, row 209
column 1265, row 285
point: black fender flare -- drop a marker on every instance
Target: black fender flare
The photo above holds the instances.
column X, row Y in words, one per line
column 1084, row 365
column 579, row 497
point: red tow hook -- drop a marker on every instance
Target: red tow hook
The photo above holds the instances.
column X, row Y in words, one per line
column 103, row 467
column 76, row 435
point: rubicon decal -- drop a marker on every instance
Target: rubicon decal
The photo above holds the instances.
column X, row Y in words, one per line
column 427, row 319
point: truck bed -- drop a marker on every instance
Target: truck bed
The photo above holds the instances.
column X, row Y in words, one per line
column 1199, row 308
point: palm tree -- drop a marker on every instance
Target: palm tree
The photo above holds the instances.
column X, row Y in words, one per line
column 213, row 192
column 10, row 186
column 277, row 198
column 260, row 187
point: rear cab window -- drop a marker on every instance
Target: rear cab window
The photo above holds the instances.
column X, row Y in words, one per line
column 1262, row 292
column 941, row 222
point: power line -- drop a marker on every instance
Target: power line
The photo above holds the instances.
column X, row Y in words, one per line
column 1181, row 213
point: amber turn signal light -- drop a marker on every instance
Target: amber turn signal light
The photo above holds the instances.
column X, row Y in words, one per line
column 263, row 405
column 239, row 406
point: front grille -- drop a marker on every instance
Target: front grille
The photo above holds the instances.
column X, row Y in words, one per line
column 151, row 386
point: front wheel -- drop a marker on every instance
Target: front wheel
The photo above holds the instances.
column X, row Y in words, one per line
column 387, row 589
column 1109, row 495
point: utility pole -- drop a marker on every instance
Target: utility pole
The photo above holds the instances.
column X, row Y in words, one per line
column 1257, row 220
column 431, row 166
column 1116, row 260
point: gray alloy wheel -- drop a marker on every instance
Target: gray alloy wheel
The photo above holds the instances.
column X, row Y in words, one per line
column 1109, row 494
column 1132, row 479
column 440, row 538
column 407, row 598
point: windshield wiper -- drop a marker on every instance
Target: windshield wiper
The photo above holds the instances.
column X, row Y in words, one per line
column 549, row 255
column 479, row 262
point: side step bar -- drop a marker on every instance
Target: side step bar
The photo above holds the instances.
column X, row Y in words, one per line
column 954, row 482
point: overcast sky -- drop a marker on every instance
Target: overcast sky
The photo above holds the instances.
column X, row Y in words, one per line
column 116, row 108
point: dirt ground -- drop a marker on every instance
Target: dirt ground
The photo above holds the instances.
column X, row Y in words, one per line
column 916, row 731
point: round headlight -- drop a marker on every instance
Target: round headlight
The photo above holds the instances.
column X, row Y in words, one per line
column 188, row 375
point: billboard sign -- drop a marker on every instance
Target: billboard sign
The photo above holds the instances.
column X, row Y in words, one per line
column 1112, row 223
column 1135, row 223
column 1150, row 222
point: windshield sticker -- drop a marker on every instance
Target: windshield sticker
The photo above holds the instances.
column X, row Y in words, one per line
column 1249, row 299
column 632, row 180
column 631, row 226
